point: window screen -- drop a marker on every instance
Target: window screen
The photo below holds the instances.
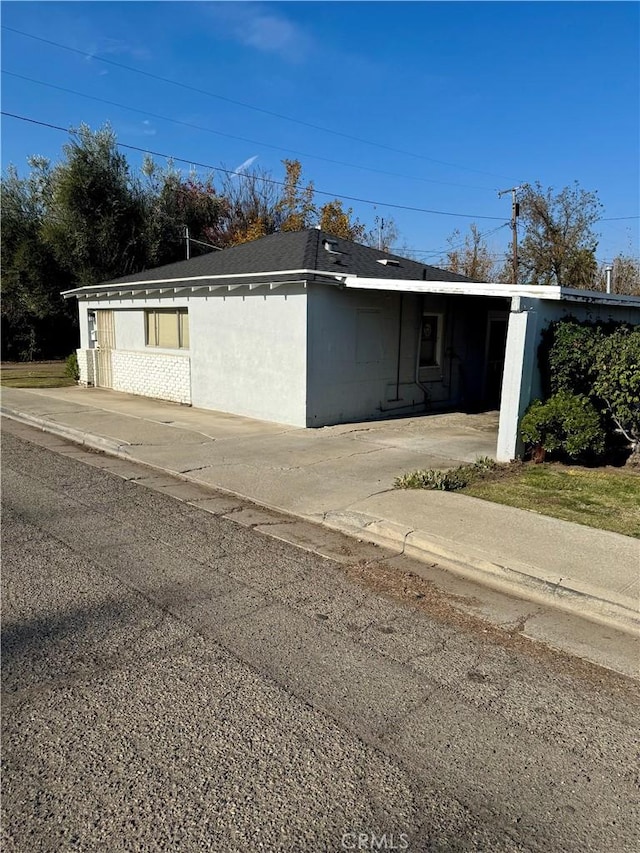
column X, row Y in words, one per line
column 167, row 328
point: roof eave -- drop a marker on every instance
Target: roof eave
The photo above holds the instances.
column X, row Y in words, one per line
column 492, row 289
column 203, row 282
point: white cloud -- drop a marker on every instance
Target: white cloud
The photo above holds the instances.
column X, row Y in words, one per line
column 263, row 28
column 143, row 128
column 246, row 165
column 105, row 46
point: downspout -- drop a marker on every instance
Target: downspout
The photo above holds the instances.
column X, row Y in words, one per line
column 397, row 397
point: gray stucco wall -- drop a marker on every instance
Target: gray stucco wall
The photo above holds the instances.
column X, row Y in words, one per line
column 353, row 355
column 129, row 329
column 248, row 353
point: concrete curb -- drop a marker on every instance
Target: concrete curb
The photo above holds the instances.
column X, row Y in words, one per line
column 576, row 598
column 97, row 442
column 572, row 596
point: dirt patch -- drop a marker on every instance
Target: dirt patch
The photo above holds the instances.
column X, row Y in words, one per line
column 418, row 594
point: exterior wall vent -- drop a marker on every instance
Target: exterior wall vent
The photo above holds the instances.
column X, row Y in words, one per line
column 389, row 262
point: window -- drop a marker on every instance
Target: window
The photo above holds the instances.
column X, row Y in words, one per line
column 431, row 340
column 167, row 327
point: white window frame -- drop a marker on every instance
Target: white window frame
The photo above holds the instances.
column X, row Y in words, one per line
column 154, row 312
column 433, row 371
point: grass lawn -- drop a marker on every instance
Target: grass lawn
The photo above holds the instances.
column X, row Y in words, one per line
column 34, row 374
column 608, row 498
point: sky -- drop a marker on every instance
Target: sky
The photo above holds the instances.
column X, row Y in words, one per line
column 415, row 109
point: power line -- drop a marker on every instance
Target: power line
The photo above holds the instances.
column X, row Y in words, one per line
column 266, row 180
column 232, row 136
column 454, row 246
column 244, row 104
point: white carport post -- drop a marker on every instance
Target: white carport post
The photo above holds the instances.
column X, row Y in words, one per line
column 518, row 377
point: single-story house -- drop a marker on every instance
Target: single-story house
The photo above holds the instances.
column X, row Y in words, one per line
column 308, row 329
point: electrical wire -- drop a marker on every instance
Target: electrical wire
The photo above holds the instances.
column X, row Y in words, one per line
column 192, row 162
column 357, row 199
column 245, row 105
column 238, row 138
column 461, row 245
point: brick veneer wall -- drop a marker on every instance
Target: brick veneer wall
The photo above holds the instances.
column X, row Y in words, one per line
column 151, row 374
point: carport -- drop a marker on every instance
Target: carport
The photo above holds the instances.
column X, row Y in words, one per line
column 477, row 343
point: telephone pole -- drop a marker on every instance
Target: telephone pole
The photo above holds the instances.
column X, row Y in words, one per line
column 515, row 212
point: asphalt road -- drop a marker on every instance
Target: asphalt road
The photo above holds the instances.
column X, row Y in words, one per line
column 174, row 680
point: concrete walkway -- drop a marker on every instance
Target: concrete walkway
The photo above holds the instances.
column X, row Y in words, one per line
column 342, row 477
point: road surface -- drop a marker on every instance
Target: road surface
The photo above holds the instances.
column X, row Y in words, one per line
column 174, row 680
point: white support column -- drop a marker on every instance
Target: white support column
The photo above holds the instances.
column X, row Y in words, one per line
column 519, row 373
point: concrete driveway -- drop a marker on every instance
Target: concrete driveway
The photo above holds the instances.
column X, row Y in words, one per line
column 301, row 470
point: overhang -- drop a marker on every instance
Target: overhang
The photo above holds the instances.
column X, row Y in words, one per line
column 199, row 284
column 492, row 289
column 154, row 287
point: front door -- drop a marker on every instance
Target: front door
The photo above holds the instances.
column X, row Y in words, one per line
column 106, row 341
column 497, row 323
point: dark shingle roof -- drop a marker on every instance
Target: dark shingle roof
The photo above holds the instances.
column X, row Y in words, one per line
column 292, row 250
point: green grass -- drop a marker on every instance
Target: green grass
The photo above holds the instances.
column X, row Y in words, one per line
column 607, row 498
column 34, row 374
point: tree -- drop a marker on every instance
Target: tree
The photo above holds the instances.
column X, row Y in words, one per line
column 36, row 321
column 559, row 243
column 296, row 205
column 174, row 203
column 625, row 276
column 251, row 208
column 470, row 257
column 339, row 222
column 95, row 222
column 384, row 234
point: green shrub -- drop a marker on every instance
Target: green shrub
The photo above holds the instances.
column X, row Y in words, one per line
column 446, row 481
column 71, row 366
column 567, row 424
column 617, row 383
column 567, row 356
column 599, row 361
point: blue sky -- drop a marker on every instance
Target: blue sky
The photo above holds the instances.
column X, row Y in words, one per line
column 423, row 105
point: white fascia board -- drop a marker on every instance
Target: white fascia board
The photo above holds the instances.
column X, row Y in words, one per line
column 185, row 291
column 570, row 294
column 90, row 289
column 494, row 289
column 462, row 288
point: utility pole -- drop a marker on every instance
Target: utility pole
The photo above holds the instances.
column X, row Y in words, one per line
column 186, row 237
column 515, row 212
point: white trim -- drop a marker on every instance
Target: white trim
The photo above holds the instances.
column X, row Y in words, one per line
column 398, row 285
column 537, row 291
column 90, row 288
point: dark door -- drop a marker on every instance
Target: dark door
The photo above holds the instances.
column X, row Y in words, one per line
column 496, row 345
